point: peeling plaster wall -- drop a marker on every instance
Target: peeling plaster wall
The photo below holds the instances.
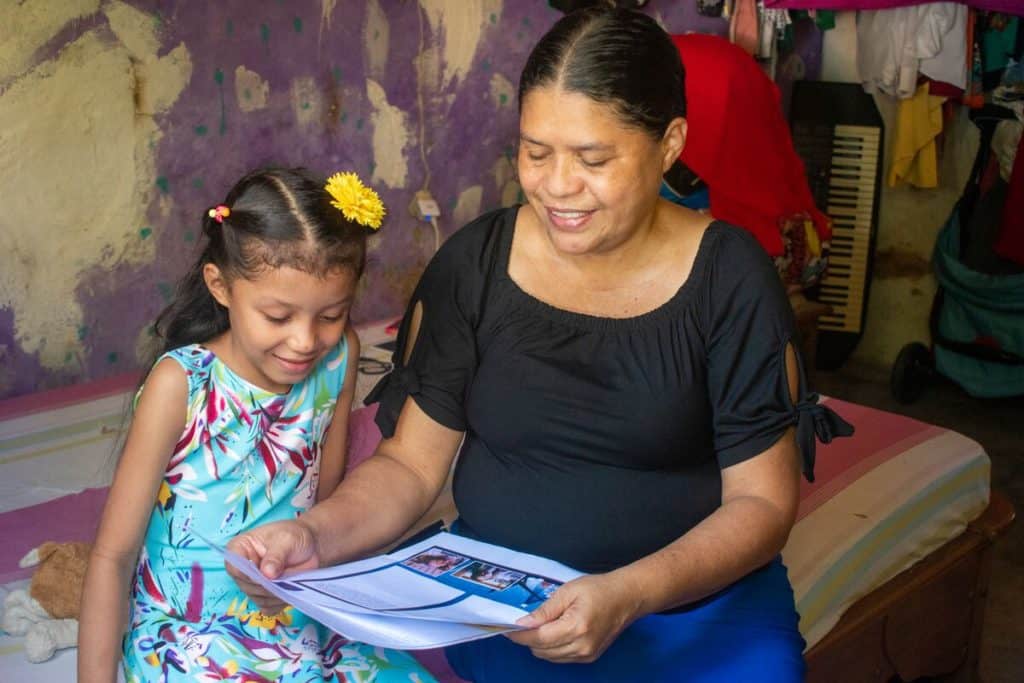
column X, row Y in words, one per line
column 122, row 122
column 79, row 154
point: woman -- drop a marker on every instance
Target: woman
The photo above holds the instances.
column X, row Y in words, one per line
column 623, row 374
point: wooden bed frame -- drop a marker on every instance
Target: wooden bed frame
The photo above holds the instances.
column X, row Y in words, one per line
column 926, row 621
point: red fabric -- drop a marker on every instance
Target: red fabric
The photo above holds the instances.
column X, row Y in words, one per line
column 738, row 141
column 943, row 89
column 1011, row 234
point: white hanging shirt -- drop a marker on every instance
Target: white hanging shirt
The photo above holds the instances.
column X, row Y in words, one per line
column 893, row 45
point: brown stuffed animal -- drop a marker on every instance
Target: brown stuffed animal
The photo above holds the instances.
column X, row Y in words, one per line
column 57, row 583
column 47, row 615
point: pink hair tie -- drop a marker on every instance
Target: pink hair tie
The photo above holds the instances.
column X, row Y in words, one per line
column 219, row 213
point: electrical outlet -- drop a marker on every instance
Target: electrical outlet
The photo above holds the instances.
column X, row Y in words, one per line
column 423, row 206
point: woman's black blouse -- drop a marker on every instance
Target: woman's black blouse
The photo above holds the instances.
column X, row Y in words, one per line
column 596, row 441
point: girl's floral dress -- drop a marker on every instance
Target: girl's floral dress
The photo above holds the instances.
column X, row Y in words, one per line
column 247, row 457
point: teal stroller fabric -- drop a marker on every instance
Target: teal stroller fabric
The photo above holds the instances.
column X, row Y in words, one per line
column 979, row 322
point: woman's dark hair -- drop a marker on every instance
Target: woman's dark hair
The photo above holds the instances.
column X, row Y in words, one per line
column 618, row 57
column 278, row 217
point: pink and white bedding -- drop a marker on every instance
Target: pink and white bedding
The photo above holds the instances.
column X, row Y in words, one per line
column 883, row 500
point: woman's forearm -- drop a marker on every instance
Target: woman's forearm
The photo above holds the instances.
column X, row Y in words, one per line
column 374, row 505
column 103, row 617
column 742, row 535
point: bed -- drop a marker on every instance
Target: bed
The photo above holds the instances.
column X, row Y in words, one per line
column 889, row 558
column 891, row 553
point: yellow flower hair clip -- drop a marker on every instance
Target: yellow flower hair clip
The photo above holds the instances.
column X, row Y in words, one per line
column 356, row 201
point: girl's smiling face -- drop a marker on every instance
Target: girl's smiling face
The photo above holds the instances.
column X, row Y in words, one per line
column 283, row 321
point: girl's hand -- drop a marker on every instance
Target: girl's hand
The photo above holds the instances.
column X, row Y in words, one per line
column 277, row 548
column 580, row 620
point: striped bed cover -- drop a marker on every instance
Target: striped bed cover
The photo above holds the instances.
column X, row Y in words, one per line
column 882, row 500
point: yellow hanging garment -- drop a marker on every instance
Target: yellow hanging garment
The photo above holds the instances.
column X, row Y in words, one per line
column 914, row 153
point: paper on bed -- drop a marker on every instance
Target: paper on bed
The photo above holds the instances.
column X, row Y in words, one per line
column 443, row 590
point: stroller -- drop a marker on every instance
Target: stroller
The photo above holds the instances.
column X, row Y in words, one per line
column 977, row 318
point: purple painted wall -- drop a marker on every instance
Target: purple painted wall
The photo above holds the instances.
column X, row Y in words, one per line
column 208, row 141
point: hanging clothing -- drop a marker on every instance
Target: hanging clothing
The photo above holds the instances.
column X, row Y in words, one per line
column 914, row 152
column 1007, row 6
column 894, row 45
column 744, row 29
column 772, row 27
column 738, row 142
column 974, row 93
column 998, row 46
column 946, row 41
column 1011, row 233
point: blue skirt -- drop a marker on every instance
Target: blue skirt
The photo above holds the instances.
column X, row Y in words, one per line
column 746, row 632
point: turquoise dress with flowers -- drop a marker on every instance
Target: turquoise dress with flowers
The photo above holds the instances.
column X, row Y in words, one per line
column 247, row 456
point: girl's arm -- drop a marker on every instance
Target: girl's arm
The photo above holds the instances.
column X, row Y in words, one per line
column 407, row 471
column 157, row 425
column 335, row 450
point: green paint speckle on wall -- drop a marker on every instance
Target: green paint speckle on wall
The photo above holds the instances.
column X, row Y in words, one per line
column 486, row 64
column 526, row 21
column 165, row 290
column 145, row 232
column 344, row 116
column 359, row 124
column 503, row 98
column 247, row 94
column 229, row 27
column 297, row 24
column 265, row 33
column 494, row 18
column 453, row 202
column 373, row 167
column 163, row 184
column 305, row 105
column 112, row 357
column 218, row 76
column 200, row 130
column 83, row 332
column 376, row 34
column 189, row 236
column 197, row 183
column 68, row 357
column 336, row 72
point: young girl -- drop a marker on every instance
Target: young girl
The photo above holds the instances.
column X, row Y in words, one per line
column 241, row 421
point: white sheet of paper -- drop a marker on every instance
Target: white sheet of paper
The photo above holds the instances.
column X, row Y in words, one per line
column 443, row 590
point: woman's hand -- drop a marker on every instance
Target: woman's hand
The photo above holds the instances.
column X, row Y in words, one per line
column 277, row 548
column 580, row 620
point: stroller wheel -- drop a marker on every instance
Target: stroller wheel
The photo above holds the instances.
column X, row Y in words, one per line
column 911, row 372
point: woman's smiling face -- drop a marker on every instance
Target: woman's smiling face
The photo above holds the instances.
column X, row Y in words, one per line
column 591, row 179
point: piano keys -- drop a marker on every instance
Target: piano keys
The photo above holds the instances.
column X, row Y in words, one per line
column 838, row 134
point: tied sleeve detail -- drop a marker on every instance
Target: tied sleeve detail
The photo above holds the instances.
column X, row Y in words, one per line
column 408, row 379
column 816, row 422
column 390, row 392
